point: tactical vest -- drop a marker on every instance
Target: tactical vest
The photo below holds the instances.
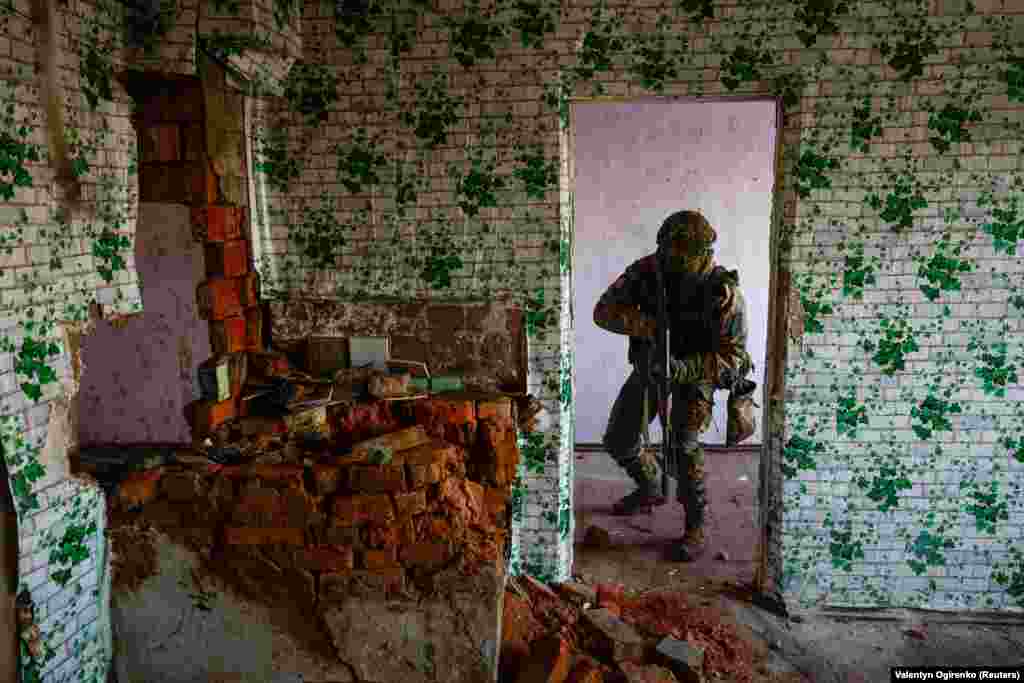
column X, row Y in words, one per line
column 695, row 317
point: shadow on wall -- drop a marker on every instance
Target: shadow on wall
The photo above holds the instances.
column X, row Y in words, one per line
column 140, row 373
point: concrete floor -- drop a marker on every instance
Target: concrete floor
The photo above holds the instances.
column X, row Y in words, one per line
column 824, row 648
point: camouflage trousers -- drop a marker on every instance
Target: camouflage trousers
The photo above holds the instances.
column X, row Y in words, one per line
column 692, row 406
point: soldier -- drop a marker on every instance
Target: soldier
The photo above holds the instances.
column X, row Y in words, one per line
column 707, row 321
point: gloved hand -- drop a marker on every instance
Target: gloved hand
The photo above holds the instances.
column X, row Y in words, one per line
column 686, row 370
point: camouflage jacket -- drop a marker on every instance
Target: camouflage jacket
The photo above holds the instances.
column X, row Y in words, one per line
column 708, row 318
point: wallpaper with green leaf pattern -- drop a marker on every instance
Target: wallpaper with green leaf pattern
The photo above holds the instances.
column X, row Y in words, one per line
column 895, row 454
column 418, row 150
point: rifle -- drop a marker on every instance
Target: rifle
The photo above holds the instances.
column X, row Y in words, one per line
column 664, row 333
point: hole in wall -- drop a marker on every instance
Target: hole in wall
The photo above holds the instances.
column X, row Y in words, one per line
column 631, row 165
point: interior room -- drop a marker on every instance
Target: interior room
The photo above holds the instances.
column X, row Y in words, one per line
column 301, row 375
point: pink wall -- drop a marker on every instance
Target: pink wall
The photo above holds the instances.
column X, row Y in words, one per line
column 635, row 163
column 137, row 380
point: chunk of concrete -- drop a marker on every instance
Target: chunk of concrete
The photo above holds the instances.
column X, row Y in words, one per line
column 612, row 637
column 686, row 661
column 651, row 673
column 578, row 594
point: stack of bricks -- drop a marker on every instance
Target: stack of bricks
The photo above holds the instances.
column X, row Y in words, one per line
column 229, row 299
column 315, row 534
column 188, row 138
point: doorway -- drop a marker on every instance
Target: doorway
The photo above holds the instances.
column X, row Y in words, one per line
column 632, row 163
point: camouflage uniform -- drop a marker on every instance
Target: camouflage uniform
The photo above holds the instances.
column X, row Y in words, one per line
column 707, row 314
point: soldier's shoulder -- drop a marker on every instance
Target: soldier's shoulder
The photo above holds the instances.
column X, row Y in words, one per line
column 725, row 276
column 645, row 265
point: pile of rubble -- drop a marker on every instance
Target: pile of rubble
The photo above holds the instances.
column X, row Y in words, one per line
column 577, row 633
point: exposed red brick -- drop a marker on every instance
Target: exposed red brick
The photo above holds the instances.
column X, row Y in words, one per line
column 263, row 536
column 138, row 488
column 218, row 298
column 436, row 452
column 342, row 535
column 160, row 143
column 412, row 503
column 379, row 536
column 254, row 329
column 203, row 184
column 496, row 504
column 328, row 478
column 182, row 486
column 586, row 670
column 261, row 507
column 281, row 474
column 193, row 142
column 422, row 475
column 227, row 259
column 464, row 498
column 326, row 558
column 206, row 416
column 228, row 335
column 549, row 662
column 269, row 363
column 249, row 290
column 498, row 411
column 380, row 559
column 426, row 554
column 350, row 510
column 377, row 478
column 452, row 420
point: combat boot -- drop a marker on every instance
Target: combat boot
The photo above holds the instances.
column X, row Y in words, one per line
column 692, row 495
column 647, row 494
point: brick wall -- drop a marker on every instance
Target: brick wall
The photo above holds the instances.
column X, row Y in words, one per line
column 311, row 532
column 849, row 169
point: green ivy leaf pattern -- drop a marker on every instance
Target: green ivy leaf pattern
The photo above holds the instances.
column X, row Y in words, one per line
column 435, row 112
column 358, row 163
column 698, row 10
column 941, row 271
column 908, row 55
column 927, row 548
column 896, row 342
column 473, row 39
column 849, row 415
column 536, row 174
column 798, row 454
column 311, row 90
column 353, row 22
column 993, row 368
column 1006, row 227
column 533, row 20
column 1014, row 77
column 15, row 149
column 478, row 188
column 1012, row 580
column 273, row 160
column 864, row 127
column 844, row 549
column 885, row 486
column 900, row 203
column 858, row 273
column 810, row 171
column 949, row 124
column 818, row 18
column 986, row 505
column 320, row 238
column 654, row 61
column 743, row 65
column 535, row 453
column 930, row 416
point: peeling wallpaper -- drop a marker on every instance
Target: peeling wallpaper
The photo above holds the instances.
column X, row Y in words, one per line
column 419, row 151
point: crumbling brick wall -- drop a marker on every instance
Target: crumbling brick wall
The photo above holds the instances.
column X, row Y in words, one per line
column 314, row 533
